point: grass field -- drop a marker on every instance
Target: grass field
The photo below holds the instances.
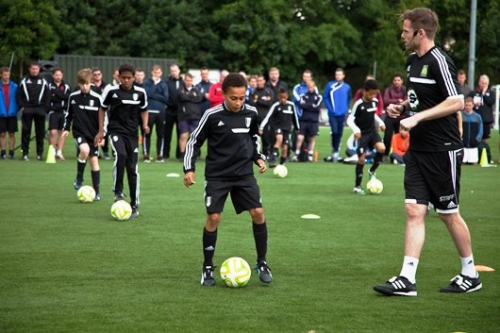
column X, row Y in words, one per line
column 68, row 267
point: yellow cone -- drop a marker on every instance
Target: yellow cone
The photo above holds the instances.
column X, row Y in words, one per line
column 51, row 155
column 484, row 160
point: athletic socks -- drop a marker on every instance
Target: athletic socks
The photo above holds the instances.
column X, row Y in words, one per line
column 409, row 269
column 80, row 169
column 260, row 236
column 96, row 180
column 209, row 241
column 468, row 268
column 359, row 174
column 282, row 160
column 376, row 162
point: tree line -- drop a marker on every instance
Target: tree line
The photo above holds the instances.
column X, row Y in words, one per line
column 248, row 35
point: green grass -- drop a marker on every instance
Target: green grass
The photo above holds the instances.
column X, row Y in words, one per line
column 68, row 267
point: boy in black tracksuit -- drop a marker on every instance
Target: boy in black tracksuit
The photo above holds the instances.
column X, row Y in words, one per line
column 364, row 123
column 33, row 97
column 281, row 116
column 124, row 103
column 83, row 113
column 190, row 98
column 262, row 98
column 231, row 132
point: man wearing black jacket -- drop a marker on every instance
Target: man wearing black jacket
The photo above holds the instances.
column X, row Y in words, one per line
column 33, row 97
column 174, row 83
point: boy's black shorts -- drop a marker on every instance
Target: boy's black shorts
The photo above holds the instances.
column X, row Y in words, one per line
column 367, row 141
column 245, row 194
column 94, row 150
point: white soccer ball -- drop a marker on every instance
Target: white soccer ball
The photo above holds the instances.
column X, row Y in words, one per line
column 86, row 194
column 374, row 186
column 121, row 210
column 235, row 272
column 280, row 171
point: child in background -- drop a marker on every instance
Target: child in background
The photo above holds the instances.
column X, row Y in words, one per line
column 364, row 122
column 281, row 116
column 309, row 121
column 83, row 112
column 400, row 144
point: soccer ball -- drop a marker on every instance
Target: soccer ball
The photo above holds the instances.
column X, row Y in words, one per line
column 121, row 210
column 280, row 171
column 374, row 186
column 85, row 194
column 235, row 272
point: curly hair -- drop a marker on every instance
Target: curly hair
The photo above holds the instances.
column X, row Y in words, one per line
column 233, row 80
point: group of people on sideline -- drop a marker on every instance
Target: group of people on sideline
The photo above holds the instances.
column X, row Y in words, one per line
column 176, row 105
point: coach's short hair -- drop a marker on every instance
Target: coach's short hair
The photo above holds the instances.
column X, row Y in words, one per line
column 126, row 68
column 233, row 80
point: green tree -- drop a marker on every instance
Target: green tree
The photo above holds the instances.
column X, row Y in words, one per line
column 26, row 28
column 291, row 35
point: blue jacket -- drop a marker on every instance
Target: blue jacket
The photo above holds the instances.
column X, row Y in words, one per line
column 311, row 107
column 472, row 125
column 298, row 91
column 13, row 107
column 204, row 88
column 337, row 98
column 157, row 95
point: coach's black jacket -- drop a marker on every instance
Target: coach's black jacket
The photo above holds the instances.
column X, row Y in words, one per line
column 33, row 95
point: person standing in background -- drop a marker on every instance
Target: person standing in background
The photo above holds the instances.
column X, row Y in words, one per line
column 59, row 95
column 204, row 87
column 215, row 94
column 8, row 113
column 337, row 98
column 394, row 94
column 174, row 83
column 157, row 92
column 33, row 96
column 484, row 100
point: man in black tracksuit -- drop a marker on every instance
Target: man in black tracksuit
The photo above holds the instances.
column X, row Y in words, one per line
column 33, row 97
column 174, row 83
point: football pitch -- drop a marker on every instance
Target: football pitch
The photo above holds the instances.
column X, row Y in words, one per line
column 69, row 267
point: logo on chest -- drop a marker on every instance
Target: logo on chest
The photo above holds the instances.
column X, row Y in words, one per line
column 246, row 129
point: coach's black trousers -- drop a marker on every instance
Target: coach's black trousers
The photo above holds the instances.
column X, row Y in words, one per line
column 27, row 120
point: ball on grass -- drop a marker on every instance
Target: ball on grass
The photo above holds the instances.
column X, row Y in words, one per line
column 121, row 210
column 374, row 186
column 86, row 194
column 235, row 272
column 280, row 171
